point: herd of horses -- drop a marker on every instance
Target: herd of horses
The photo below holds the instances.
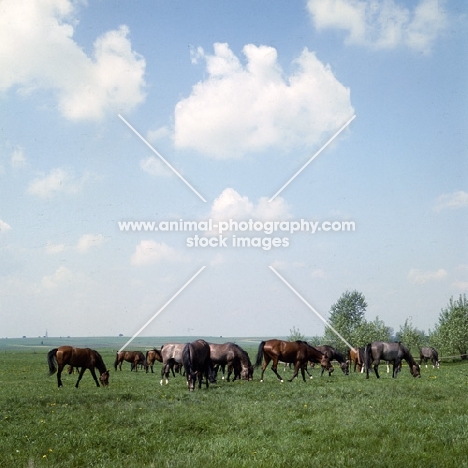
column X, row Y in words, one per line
column 202, row 361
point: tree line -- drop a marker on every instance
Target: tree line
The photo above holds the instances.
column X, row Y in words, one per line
column 347, row 316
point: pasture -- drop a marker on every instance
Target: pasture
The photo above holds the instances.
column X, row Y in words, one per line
column 336, row 421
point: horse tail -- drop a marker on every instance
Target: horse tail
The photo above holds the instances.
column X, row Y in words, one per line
column 52, row 361
column 116, row 362
column 368, row 358
column 186, row 360
column 259, row 358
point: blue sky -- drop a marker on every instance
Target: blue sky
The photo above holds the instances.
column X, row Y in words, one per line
column 237, row 96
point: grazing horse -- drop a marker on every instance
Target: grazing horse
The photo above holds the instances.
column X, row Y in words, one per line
column 133, row 357
column 84, row 358
column 333, row 354
column 171, row 354
column 297, row 352
column 391, row 352
column 151, row 356
column 429, row 354
column 233, row 356
column 197, row 363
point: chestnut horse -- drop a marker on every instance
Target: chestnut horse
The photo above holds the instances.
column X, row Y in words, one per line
column 297, row 352
column 151, row 356
column 391, row 352
column 198, row 364
column 233, row 356
column 133, row 357
column 84, row 358
column 356, row 355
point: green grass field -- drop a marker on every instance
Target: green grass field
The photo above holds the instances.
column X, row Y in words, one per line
column 335, row 421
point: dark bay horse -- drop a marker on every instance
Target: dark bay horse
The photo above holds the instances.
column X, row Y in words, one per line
column 171, row 354
column 84, row 358
column 233, row 356
column 333, row 354
column 197, row 363
column 298, row 353
column 429, row 354
column 133, row 357
column 391, row 352
column 152, row 355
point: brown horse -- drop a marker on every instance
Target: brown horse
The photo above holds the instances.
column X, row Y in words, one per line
column 334, row 354
column 297, row 352
column 152, row 355
column 233, row 356
column 84, row 358
column 133, row 357
column 356, row 356
column 391, row 352
column 197, row 363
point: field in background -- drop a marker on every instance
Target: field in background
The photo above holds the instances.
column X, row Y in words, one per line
column 335, row 421
column 113, row 342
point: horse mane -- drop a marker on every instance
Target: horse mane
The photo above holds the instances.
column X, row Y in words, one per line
column 99, row 362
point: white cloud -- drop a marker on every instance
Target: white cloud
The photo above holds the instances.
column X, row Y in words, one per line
column 37, row 51
column 18, row 160
column 158, row 134
column 231, row 205
column 461, row 286
column 88, row 241
column 318, row 273
column 53, row 249
column 4, row 227
column 149, row 252
column 382, row 25
column 155, row 167
column 61, row 277
column 249, row 108
column 58, row 180
column 451, row 201
column 421, row 277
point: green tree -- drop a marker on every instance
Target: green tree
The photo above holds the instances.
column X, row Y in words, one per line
column 295, row 334
column 371, row 331
column 346, row 316
column 410, row 336
column 451, row 333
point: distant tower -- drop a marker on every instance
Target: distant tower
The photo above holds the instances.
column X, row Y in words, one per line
column 46, row 333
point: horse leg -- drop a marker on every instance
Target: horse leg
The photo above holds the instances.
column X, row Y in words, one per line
column 274, row 368
column 229, row 373
column 82, row 371
column 396, row 367
column 376, row 370
column 59, row 375
column 165, row 373
column 93, row 373
column 266, row 361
